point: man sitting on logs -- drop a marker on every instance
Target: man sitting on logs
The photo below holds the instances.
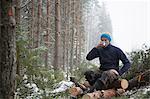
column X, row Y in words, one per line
column 109, row 71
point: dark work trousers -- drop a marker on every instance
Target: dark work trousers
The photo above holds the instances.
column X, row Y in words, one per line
column 100, row 80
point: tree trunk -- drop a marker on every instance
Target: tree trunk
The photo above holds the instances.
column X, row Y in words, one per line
column 0, row 16
column 17, row 13
column 72, row 35
column 32, row 24
column 67, row 36
column 7, row 50
column 64, row 25
column 37, row 35
column 47, row 33
column 80, row 31
column 17, row 17
column 57, row 34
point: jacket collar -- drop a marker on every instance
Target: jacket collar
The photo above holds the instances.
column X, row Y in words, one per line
column 108, row 46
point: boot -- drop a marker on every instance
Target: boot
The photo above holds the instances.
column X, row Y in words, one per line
column 97, row 86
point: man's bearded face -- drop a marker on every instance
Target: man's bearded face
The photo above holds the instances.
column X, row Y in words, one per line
column 104, row 42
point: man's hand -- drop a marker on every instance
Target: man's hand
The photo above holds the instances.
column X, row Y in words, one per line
column 98, row 45
column 114, row 71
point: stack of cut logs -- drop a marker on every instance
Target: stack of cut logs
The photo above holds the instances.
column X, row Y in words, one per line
column 117, row 88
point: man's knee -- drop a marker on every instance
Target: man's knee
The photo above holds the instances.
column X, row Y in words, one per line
column 110, row 73
column 90, row 77
column 108, row 77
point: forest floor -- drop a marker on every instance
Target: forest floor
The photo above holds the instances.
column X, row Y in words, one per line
column 141, row 93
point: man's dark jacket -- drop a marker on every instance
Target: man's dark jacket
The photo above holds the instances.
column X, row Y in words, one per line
column 109, row 58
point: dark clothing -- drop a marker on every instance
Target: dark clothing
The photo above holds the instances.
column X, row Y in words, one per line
column 109, row 58
column 100, row 80
column 92, row 76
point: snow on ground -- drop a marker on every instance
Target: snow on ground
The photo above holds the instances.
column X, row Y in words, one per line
column 63, row 86
column 142, row 93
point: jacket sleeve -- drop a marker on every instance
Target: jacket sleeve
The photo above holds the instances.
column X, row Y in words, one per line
column 125, row 61
column 92, row 54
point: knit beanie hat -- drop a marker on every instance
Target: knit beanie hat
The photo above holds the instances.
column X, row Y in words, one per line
column 106, row 36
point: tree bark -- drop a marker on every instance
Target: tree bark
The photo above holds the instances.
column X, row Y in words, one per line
column 57, row 34
column 7, row 50
column 0, row 17
column 67, row 36
column 17, row 12
column 37, row 35
column 72, row 35
column 32, row 24
column 17, row 17
column 47, row 33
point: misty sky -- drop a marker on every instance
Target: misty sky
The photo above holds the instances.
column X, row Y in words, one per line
column 131, row 23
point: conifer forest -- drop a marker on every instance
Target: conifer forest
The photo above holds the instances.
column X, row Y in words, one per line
column 45, row 42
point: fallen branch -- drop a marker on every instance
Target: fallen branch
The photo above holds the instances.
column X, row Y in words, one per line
column 141, row 79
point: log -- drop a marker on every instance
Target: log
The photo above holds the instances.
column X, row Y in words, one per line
column 106, row 94
column 122, row 83
column 77, row 90
column 140, row 80
column 94, row 95
column 74, row 91
column 109, row 93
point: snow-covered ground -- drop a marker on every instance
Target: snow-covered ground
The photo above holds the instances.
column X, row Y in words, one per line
column 142, row 93
column 36, row 93
column 62, row 86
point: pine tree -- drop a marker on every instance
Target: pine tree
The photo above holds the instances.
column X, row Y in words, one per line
column 57, row 34
column 7, row 50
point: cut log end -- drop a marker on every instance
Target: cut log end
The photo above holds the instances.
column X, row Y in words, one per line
column 101, row 94
column 74, row 91
column 124, row 84
column 94, row 95
column 109, row 93
column 87, row 96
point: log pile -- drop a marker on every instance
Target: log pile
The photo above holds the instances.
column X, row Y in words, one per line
column 103, row 94
column 140, row 80
column 116, row 89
